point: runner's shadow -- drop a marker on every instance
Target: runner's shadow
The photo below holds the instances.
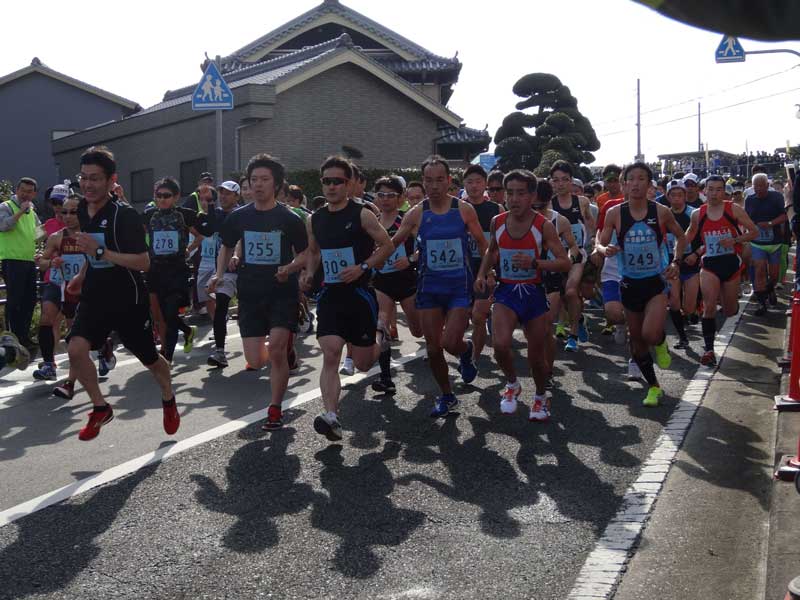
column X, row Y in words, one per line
column 55, row 545
column 261, row 486
column 358, row 509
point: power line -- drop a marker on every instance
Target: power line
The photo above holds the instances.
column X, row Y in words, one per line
column 698, row 98
column 705, row 112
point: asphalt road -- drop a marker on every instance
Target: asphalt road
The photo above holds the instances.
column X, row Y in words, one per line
column 478, row 505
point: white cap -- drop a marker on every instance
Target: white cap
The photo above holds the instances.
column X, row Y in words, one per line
column 231, row 186
column 576, row 181
column 675, row 183
column 690, row 177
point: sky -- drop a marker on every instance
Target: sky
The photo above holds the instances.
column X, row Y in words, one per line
column 597, row 48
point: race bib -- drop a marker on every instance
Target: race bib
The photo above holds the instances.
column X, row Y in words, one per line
column 765, row 234
column 577, row 233
column 336, row 260
column 507, row 269
column 71, row 267
column 642, row 259
column 165, row 243
column 713, row 246
column 208, row 251
column 389, row 265
column 262, row 248
column 474, row 251
column 102, row 263
column 445, row 255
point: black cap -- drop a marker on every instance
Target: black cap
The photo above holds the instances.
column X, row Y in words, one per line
column 206, row 175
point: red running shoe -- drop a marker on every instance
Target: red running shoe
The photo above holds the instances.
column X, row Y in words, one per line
column 96, row 420
column 172, row 420
column 274, row 418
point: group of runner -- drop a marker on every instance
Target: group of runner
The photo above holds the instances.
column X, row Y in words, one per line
column 513, row 251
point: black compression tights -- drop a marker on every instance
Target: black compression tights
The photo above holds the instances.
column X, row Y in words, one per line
column 170, row 308
column 220, row 320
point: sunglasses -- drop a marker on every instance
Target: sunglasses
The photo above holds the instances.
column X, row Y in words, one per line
column 389, row 195
column 494, row 190
column 74, row 211
column 333, row 181
column 164, row 195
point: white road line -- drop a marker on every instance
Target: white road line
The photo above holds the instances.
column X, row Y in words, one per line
column 83, row 485
column 604, row 566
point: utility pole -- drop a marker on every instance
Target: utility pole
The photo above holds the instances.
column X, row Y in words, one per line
column 639, row 156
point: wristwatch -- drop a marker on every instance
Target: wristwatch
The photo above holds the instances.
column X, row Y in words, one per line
column 364, row 267
column 98, row 254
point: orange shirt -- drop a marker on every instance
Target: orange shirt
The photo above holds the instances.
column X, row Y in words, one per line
column 605, row 197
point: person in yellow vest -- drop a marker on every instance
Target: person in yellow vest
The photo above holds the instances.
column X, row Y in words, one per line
column 19, row 230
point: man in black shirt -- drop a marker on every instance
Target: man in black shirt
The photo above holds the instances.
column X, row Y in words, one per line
column 273, row 241
column 112, row 292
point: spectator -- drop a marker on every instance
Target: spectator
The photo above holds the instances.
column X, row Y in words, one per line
column 19, row 231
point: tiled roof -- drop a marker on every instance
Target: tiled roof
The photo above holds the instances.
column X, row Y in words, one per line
column 287, row 30
column 463, row 135
column 402, row 67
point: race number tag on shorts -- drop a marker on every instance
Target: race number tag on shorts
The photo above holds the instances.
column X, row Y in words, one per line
column 445, row 255
column 102, row 263
column 165, row 243
column 507, row 269
column 713, row 246
column 208, row 251
column 336, row 260
column 764, row 234
column 262, row 248
column 389, row 265
column 71, row 267
column 474, row 251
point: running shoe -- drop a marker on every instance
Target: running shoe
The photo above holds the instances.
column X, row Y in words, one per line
column 274, row 418
column 17, row 355
column 188, row 340
column 709, row 359
column 634, row 372
column 508, row 399
column 348, row 368
column 172, row 420
column 654, row 394
column 663, row 359
column 45, row 373
column 571, row 345
column 466, row 365
column 561, row 331
column 248, row 367
column 583, row 333
column 43, row 363
column 773, row 298
column 443, row 405
column 384, row 386
column 621, row 334
column 747, row 288
column 394, row 334
column 96, row 420
column 66, row 390
column 217, row 359
column 608, row 329
column 329, row 427
column 682, row 344
column 540, row 410
column 106, row 359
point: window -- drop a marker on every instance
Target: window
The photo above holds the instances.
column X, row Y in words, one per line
column 190, row 173
column 141, row 191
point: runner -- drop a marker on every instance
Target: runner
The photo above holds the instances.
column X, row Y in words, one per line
column 519, row 240
column 415, row 193
column 112, row 292
column 553, row 281
column 273, row 242
column 641, row 226
column 209, row 225
column 343, row 237
column 444, row 282
column 692, row 184
column 609, row 274
column 766, row 209
column 683, row 290
column 168, row 228
column 61, row 260
column 576, row 210
column 717, row 224
column 494, row 183
column 396, row 280
column 612, row 186
column 475, row 180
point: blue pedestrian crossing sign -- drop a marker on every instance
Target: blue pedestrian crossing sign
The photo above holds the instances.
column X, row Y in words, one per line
column 729, row 50
column 212, row 93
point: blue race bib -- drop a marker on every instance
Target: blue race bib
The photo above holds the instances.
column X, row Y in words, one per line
column 507, row 269
column 336, row 260
column 445, row 255
column 713, row 246
column 262, row 248
column 474, row 251
column 641, row 257
column 102, row 263
column 71, row 267
column 765, row 235
column 165, row 243
column 389, row 266
column 208, row 251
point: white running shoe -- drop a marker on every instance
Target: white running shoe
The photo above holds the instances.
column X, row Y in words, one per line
column 508, row 402
column 634, row 372
column 621, row 334
column 540, row 410
column 348, row 368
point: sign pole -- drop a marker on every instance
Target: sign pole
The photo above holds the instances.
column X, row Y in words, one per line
column 219, row 169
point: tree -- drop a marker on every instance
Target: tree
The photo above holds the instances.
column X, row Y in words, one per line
column 561, row 132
